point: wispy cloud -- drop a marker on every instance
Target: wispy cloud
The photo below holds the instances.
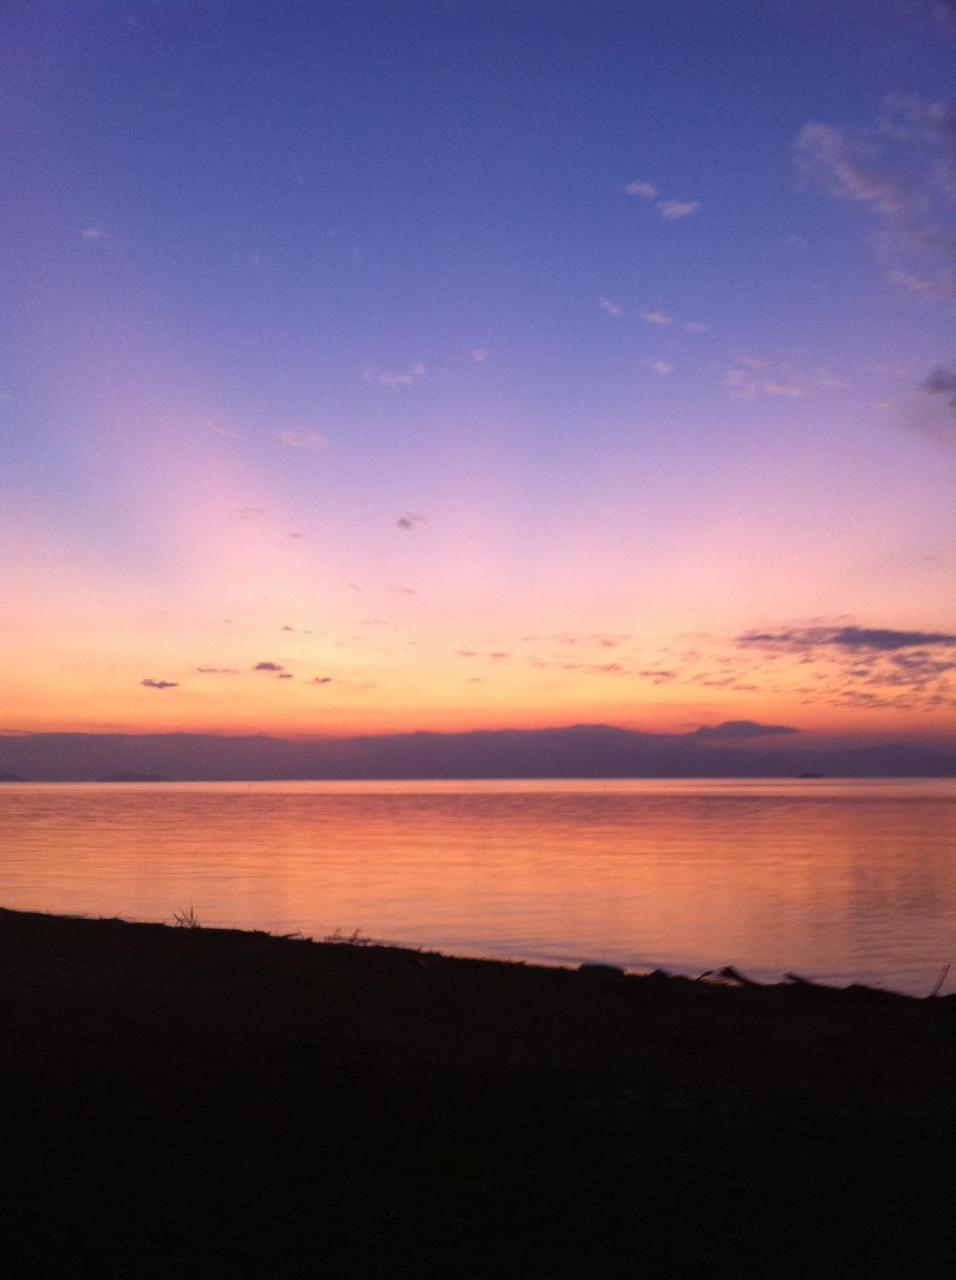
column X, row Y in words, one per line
column 845, row 167
column 479, row 355
column 775, row 387
column 866, row 667
column 268, row 666
column 658, row 677
column 660, row 366
column 386, row 378
column 674, row 210
column 610, row 306
column 802, row 639
column 302, row 438
column 218, row 671
column 95, row 235
column 321, row 680
column 656, row 317
column 900, row 170
column 670, row 210
column 160, row 684
column 696, row 326
column 752, row 376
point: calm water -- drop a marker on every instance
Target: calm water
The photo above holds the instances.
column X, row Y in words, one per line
column 833, row 879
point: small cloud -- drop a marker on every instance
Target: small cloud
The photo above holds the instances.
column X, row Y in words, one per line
column 284, row 675
column 658, row 677
column 911, row 282
column 745, row 382
column 741, row 729
column 610, row 306
column 267, row 666
column 673, row 210
column 656, row 317
column 295, row 535
column 160, row 684
column 287, row 628
column 696, row 326
column 660, row 366
column 646, row 190
column 387, row 379
column 941, row 382
column 409, row 520
column 321, row 680
column 218, row 671
column 251, row 514
column 311, row 440
column 95, row 235
column 479, row 355
column 467, row 653
column 787, row 389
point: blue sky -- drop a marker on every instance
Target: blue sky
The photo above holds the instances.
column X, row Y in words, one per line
column 631, row 306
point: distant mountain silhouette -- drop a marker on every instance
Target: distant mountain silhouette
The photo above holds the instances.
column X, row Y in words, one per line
column 11, row 777
column 578, row 751
column 129, row 776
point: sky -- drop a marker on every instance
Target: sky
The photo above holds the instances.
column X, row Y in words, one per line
column 369, row 368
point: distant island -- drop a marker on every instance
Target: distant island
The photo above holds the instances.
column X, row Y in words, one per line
column 735, row 749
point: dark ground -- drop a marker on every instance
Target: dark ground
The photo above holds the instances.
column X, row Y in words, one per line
column 181, row 1102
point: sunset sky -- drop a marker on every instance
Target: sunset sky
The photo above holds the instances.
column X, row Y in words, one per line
column 371, row 367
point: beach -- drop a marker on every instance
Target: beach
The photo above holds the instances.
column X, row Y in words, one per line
column 190, row 1101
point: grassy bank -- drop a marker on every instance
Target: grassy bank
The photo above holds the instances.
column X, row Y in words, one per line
column 207, row 1102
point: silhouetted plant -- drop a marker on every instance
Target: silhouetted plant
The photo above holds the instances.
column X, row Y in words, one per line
column 354, row 939
column 187, row 918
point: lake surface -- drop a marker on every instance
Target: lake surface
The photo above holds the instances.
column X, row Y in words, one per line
column 834, row 879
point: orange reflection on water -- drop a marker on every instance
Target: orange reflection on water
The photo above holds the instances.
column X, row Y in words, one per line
column 834, row 879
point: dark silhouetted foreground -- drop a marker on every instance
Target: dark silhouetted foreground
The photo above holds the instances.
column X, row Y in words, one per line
column 191, row 1102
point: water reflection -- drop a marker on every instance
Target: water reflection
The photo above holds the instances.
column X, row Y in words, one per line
column 829, row 878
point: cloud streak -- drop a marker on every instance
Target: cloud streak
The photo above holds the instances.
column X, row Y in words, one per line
column 675, row 210
column 303, row 439
column 900, row 171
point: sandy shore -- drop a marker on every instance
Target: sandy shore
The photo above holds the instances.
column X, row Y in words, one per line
column 207, row 1102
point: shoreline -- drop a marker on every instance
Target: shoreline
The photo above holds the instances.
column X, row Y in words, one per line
column 193, row 1101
